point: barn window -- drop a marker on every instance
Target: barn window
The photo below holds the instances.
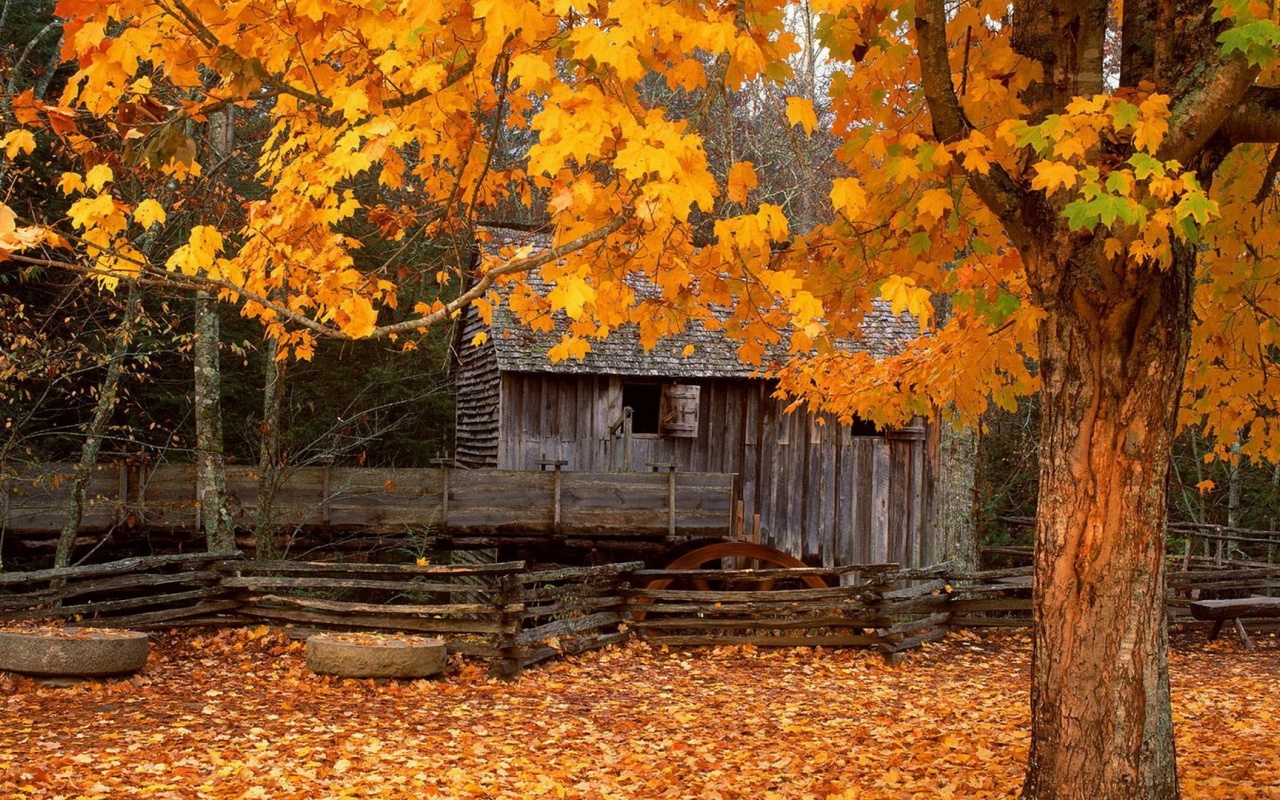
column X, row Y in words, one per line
column 680, row 411
column 669, row 410
column 645, row 402
column 862, row 427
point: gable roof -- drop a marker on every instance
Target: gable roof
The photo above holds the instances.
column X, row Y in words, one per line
column 714, row 354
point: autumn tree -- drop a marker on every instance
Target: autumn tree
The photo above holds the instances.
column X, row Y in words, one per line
column 1089, row 184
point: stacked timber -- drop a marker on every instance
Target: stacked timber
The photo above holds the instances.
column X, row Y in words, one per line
column 996, row 598
column 566, row 611
column 141, row 593
column 468, row 606
column 874, row 605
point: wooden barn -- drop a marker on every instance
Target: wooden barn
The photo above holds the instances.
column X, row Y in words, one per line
column 828, row 493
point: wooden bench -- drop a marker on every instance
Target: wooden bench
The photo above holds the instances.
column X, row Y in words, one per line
column 1219, row 611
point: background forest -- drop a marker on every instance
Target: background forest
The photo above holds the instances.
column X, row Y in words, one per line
column 112, row 371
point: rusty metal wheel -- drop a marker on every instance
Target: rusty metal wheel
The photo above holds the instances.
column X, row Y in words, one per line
column 702, row 556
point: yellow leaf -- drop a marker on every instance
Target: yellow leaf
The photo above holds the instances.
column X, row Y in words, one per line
column 934, row 203
column 1206, row 486
column 18, row 141
column 1052, row 175
column 903, row 295
column 70, row 182
column 99, row 176
column 848, row 197
column 362, row 317
column 800, row 112
column 479, row 339
column 569, row 347
column 571, row 295
column 149, row 212
column 1154, row 123
column 197, row 254
column 742, row 179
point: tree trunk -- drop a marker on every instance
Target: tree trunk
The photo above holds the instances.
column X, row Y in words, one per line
column 269, row 466
column 1113, row 347
column 211, row 468
column 108, row 390
column 953, row 515
column 211, row 471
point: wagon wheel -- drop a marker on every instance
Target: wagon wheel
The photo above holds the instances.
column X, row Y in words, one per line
column 714, row 552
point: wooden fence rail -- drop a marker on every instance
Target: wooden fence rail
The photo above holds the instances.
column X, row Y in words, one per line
column 469, row 508
column 516, row 617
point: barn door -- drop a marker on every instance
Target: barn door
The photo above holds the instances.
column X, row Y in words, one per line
column 679, row 413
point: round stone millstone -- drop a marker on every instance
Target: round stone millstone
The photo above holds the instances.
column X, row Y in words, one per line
column 73, row 652
column 365, row 655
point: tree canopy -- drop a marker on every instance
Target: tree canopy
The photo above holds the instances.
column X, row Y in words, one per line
column 1089, row 184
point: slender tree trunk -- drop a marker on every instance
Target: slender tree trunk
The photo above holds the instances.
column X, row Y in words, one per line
column 211, row 470
column 953, row 517
column 1112, row 347
column 108, row 391
column 269, row 465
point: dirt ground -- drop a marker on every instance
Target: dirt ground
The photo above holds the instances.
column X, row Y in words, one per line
column 236, row 714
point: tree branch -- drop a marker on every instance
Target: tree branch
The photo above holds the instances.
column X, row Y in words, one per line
column 997, row 190
column 153, row 276
column 1255, row 119
column 1203, row 108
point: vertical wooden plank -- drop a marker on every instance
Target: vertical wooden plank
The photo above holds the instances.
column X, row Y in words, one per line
column 846, row 510
column 589, row 399
column 899, row 501
column 770, row 460
column 748, row 460
column 880, row 501
column 731, row 455
column 506, row 413
column 789, row 491
column 829, row 493
column 921, row 554
column 722, row 435
column 810, row 488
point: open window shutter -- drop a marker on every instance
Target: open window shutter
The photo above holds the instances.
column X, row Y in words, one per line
column 680, row 410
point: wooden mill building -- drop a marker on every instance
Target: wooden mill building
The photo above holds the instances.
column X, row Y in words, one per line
column 828, row 493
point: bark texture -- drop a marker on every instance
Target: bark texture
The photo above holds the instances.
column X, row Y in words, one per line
column 953, row 513
column 1113, row 349
column 269, row 462
column 211, row 470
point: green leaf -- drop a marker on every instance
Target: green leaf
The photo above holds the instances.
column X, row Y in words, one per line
column 1196, row 206
column 1081, row 215
column 1145, row 165
column 1256, row 39
column 1125, row 114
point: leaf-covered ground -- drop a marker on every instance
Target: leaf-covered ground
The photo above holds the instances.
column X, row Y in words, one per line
column 237, row 714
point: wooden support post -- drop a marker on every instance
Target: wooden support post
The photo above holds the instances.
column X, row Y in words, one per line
column 1244, row 635
column 670, row 467
column 557, row 528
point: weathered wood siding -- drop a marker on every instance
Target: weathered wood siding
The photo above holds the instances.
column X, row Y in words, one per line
column 476, row 400
column 821, row 493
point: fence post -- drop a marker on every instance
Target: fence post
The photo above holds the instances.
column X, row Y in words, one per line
column 510, row 592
